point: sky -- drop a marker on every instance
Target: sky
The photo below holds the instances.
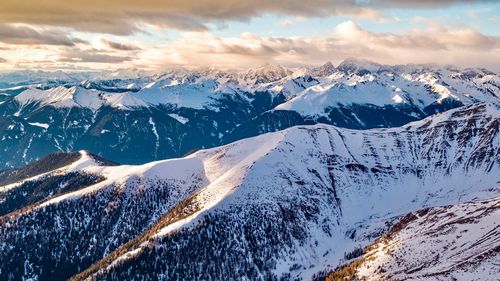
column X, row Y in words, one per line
column 155, row 35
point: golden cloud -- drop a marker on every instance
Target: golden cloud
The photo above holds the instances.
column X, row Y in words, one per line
column 436, row 43
column 126, row 16
column 22, row 34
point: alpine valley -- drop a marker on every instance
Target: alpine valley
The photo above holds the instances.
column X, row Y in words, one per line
column 416, row 202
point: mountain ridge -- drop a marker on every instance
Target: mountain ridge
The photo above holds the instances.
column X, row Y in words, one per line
column 294, row 200
column 184, row 110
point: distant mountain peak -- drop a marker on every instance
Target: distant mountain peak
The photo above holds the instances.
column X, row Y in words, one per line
column 351, row 65
column 267, row 73
column 324, row 70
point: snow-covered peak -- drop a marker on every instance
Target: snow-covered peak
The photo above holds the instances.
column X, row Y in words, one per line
column 61, row 97
column 326, row 187
column 261, row 167
column 315, row 90
column 75, row 96
column 266, row 74
column 123, row 101
column 52, row 164
column 324, row 70
column 351, row 65
column 394, row 87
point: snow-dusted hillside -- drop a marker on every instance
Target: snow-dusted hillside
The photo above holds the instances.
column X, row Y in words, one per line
column 62, row 97
column 286, row 204
column 455, row 242
column 322, row 192
column 51, row 176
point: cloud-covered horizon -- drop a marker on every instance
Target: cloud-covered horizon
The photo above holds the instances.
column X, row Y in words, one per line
column 55, row 34
column 433, row 44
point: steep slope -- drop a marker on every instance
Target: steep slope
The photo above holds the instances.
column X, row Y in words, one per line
column 456, row 242
column 296, row 203
column 282, row 205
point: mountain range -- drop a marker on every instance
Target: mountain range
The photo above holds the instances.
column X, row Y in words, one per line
column 133, row 117
column 314, row 201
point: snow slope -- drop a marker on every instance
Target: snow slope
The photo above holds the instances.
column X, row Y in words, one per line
column 456, row 242
column 75, row 96
column 335, row 189
column 285, row 205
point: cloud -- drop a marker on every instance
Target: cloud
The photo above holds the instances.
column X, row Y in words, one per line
column 20, row 34
column 426, row 3
column 433, row 44
column 289, row 22
column 91, row 55
column 434, row 37
column 120, row 46
column 124, row 17
column 2, row 60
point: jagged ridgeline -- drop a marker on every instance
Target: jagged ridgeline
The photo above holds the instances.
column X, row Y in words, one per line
column 288, row 205
column 145, row 118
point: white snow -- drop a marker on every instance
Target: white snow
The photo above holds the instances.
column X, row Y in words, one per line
column 182, row 120
column 155, row 132
column 190, row 95
column 37, row 124
column 450, row 242
column 78, row 97
column 309, row 91
column 62, row 97
column 398, row 99
column 123, row 101
column 84, row 162
column 260, row 171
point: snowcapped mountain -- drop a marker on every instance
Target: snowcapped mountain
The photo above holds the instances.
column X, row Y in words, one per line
column 287, row 204
column 62, row 97
column 266, row 74
column 140, row 119
column 383, row 85
column 371, row 84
